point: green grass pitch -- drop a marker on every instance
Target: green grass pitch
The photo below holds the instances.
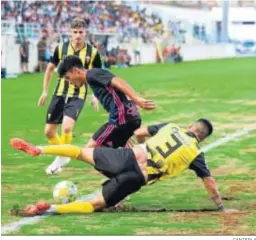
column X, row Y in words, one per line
column 221, row 90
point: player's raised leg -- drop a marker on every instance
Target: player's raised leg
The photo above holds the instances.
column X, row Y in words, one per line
column 66, row 150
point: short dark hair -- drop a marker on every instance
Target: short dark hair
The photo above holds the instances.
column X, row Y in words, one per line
column 68, row 63
column 207, row 123
column 78, row 22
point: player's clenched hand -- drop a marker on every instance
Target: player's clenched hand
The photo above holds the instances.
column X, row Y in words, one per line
column 95, row 103
column 42, row 98
column 145, row 104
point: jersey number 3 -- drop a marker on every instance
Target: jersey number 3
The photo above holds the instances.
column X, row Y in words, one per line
column 170, row 149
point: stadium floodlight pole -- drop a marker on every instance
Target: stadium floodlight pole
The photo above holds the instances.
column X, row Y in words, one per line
column 224, row 21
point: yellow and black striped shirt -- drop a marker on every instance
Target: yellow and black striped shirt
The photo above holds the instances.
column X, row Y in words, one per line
column 171, row 151
column 90, row 58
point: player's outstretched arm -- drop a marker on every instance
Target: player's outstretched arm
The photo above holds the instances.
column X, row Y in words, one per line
column 141, row 134
column 47, row 78
column 128, row 91
column 212, row 189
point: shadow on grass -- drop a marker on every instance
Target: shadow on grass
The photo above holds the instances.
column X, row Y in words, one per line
column 133, row 209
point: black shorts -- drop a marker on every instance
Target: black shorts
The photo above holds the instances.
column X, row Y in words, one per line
column 110, row 135
column 59, row 107
column 121, row 167
column 111, row 162
column 24, row 59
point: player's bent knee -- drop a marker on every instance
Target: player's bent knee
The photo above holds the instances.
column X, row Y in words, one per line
column 67, row 124
column 67, row 129
column 86, row 154
column 49, row 132
column 119, row 187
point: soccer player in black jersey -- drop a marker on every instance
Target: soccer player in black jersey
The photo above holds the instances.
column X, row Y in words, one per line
column 115, row 95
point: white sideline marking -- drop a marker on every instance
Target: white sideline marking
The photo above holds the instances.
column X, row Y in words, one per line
column 226, row 139
column 15, row 226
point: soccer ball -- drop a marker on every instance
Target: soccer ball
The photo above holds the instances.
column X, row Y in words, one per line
column 65, row 192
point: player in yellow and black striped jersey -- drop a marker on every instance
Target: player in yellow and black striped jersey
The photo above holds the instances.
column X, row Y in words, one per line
column 171, row 154
column 67, row 100
column 168, row 152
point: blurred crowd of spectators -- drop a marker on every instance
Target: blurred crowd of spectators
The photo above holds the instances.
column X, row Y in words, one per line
column 52, row 20
column 116, row 55
column 205, row 4
column 105, row 17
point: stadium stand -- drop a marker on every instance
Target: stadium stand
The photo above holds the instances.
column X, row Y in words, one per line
column 120, row 21
column 125, row 32
column 102, row 17
column 206, row 4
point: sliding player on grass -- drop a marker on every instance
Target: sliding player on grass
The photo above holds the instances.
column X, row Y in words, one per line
column 168, row 153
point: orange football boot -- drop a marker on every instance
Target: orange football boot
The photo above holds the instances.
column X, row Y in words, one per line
column 25, row 146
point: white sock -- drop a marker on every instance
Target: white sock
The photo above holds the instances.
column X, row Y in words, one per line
column 40, row 148
column 52, row 209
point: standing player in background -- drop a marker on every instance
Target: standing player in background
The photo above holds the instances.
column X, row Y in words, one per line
column 68, row 100
column 24, row 55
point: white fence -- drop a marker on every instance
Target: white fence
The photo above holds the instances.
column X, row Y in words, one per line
column 202, row 52
column 11, row 56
